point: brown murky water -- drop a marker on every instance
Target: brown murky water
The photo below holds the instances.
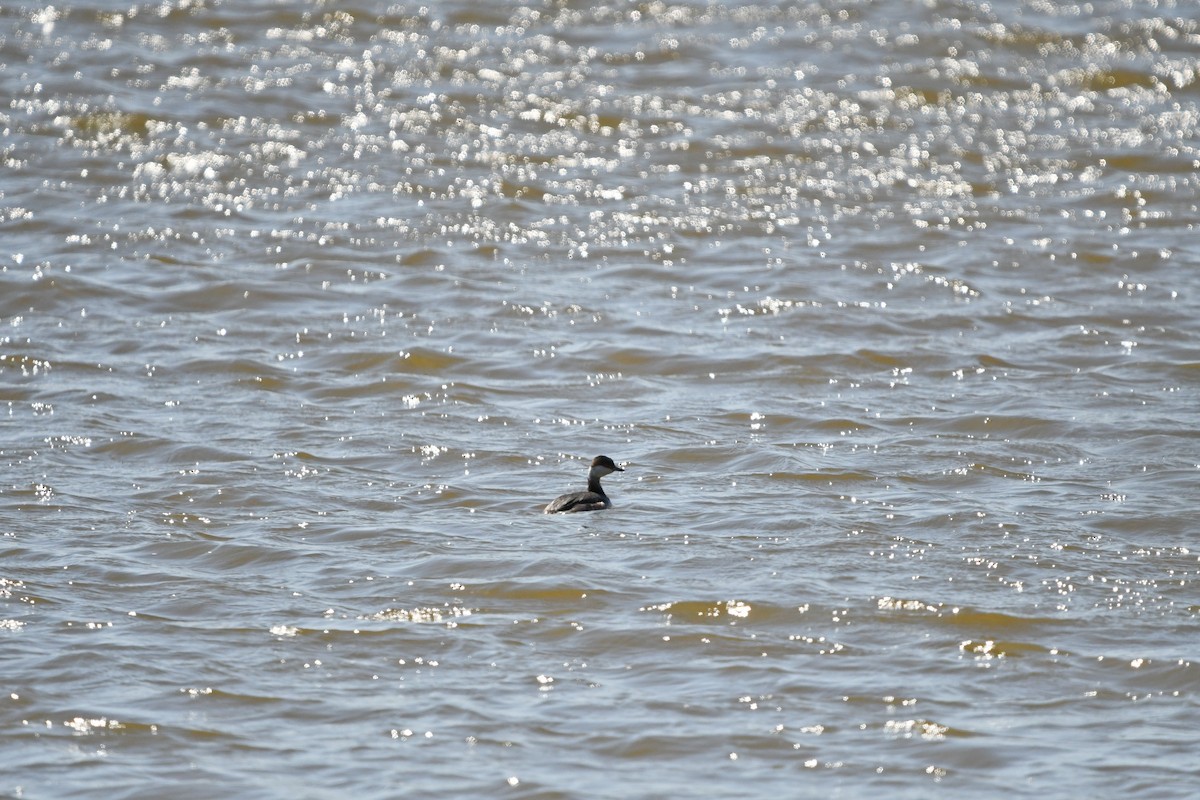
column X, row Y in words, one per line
column 889, row 310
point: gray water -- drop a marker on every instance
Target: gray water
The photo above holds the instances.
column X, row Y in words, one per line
column 889, row 310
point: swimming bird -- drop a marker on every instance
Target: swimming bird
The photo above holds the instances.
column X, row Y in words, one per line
column 594, row 499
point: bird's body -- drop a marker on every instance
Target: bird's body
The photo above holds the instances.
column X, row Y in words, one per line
column 594, row 499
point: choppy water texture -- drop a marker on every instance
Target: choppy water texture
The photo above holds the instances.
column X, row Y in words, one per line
column 889, row 309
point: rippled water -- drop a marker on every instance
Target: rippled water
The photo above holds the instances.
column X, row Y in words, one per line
column 888, row 309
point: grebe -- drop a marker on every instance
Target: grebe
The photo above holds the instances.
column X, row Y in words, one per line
column 594, row 499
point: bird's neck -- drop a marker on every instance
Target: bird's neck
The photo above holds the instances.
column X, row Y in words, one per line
column 594, row 483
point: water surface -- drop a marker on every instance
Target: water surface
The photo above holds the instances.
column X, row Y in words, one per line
column 889, row 311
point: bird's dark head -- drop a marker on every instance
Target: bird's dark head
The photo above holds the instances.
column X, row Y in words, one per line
column 605, row 465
